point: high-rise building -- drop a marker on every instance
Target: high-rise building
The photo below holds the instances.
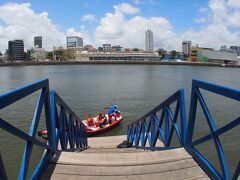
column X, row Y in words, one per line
column 186, row 47
column 236, row 49
column 149, row 40
column 38, row 41
column 74, row 41
column 16, row 50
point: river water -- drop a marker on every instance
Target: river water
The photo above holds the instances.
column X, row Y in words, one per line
column 136, row 89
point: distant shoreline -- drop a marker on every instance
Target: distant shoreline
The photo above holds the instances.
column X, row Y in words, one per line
column 114, row 62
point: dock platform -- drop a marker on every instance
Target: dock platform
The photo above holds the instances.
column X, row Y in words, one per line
column 104, row 161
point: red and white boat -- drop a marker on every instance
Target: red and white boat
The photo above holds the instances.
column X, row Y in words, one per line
column 92, row 130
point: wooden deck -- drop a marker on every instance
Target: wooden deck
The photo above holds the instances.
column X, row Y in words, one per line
column 104, row 161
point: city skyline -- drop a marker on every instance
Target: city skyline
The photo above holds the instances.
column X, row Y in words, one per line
column 211, row 23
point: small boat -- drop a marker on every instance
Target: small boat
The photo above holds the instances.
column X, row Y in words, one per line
column 92, row 130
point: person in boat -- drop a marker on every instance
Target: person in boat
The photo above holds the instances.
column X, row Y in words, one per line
column 101, row 120
column 112, row 112
column 90, row 121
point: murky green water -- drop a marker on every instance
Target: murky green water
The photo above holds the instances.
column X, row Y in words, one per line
column 136, row 89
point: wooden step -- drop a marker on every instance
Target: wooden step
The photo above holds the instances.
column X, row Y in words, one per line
column 112, row 142
column 113, row 150
column 115, row 159
column 104, row 161
column 182, row 169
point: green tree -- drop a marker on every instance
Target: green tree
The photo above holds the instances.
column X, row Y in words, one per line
column 50, row 55
column 26, row 56
column 161, row 51
column 135, row 49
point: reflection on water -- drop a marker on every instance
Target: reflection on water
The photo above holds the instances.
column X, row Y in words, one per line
column 136, row 89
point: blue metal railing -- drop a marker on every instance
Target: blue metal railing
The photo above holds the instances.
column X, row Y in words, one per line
column 150, row 126
column 215, row 132
column 70, row 128
column 150, row 130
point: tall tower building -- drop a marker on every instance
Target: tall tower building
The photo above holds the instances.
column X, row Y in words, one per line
column 16, row 50
column 74, row 41
column 38, row 41
column 186, row 47
column 149, row 40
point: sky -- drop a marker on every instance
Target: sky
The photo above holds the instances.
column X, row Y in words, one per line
column 208, row 23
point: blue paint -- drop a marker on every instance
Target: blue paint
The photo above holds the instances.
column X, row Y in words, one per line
column 196, row 96
column 59, row 127
column 149, row 127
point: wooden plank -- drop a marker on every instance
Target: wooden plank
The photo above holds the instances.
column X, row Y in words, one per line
column 104, row 161
column 113, row 150
column 123, row 170
column 116, row 159
column 188, row 173
column 112, row 141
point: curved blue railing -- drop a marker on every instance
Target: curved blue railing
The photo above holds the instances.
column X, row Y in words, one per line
column 149, row 127
column 215, row 132
column 68, row 130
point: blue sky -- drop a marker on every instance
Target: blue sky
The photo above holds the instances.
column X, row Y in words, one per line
column 210, row 23
column 68, row 13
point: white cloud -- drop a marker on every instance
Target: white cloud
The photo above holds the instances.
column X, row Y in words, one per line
column 234, row 3
column 88, row 17
column 212, row 36
column 23, row 23
column 82, row 33
column 220, row 16
column 126, row 8
column 115, row 28
column 200, row 20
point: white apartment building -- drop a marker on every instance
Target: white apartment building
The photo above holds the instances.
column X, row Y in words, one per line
column 149, row 40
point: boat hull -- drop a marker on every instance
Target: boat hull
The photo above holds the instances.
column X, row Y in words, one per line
column 97, row 130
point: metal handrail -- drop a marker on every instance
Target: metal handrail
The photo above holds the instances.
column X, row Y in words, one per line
column 73, row 132
column 69, row 129
column 145, row 130
column 196, row 97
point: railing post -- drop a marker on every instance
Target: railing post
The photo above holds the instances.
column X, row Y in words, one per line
column 48, row 116
column 183, row 119
column 152, row 131
column 142, row 134
column 166, row 126
column 192, row 116
column 136, row 134
column 53, row 119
